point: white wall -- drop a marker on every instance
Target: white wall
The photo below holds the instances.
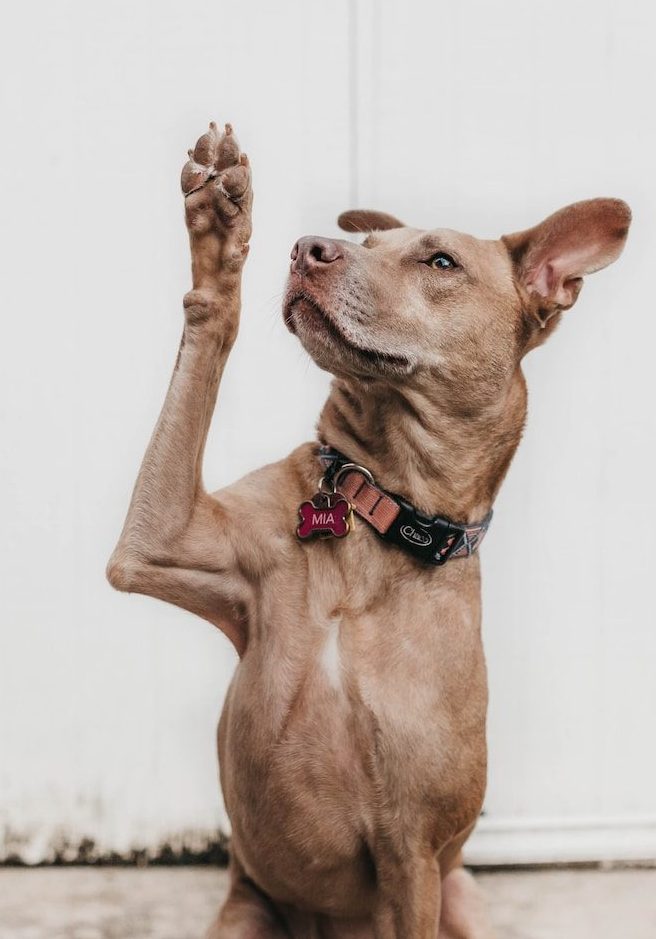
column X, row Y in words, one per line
column 478, row 117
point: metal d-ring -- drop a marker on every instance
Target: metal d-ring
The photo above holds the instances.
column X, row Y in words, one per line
column 325, row 492
column 346, row 468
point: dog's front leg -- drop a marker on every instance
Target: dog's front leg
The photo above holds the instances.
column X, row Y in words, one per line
column 176, row 543
column 409, row 894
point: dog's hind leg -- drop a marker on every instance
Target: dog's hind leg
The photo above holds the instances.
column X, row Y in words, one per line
column 409, row 898
column 463, row 913
column 247, row 913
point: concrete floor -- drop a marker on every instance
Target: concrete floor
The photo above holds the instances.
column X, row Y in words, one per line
column 179, row 903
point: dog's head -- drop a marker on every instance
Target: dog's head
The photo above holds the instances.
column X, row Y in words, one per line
column 411, row 306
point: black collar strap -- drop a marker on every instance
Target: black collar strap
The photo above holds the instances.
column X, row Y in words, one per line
column 431, row 538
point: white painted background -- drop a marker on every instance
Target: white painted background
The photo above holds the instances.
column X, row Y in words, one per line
column 478, row 116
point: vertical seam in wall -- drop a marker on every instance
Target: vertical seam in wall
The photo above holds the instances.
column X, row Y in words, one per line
column 353, row 84
column 375, row 102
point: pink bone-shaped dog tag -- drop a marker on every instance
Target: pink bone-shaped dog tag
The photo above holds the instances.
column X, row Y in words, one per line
column 324, row 519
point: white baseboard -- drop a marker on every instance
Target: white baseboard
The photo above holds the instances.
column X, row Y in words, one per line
column 505, row 842
column 496, row 842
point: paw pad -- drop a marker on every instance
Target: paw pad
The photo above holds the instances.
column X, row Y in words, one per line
column 215, row 154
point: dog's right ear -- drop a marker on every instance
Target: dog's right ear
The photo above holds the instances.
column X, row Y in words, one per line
column 366, row 220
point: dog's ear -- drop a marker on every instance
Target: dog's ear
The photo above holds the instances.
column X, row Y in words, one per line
column 551, row 259
column 366, row 220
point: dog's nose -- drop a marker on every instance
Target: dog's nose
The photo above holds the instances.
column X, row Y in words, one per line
column 313, row 252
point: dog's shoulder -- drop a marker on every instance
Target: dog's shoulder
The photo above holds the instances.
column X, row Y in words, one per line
column 261, row 508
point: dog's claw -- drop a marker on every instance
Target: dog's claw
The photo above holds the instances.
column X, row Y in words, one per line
column 206, row 147
column 227, row 151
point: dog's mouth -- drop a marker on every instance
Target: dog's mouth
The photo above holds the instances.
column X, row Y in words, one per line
column 305, row 317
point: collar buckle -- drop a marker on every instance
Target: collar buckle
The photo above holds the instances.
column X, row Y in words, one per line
column 431, row 539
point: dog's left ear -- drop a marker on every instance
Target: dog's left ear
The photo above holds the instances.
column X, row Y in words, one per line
column 366, row 220
column 551, row 259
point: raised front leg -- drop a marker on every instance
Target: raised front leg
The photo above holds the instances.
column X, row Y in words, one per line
column 177, row 541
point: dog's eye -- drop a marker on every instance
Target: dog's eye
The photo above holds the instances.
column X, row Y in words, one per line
column 441, row 261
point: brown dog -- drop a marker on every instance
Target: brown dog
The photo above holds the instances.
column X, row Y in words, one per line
column 352, row 741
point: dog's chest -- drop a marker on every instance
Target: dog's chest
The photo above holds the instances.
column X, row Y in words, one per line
column 363, row 633
column 365, row 695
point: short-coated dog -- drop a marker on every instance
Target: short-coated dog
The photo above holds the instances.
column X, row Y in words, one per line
column 352, row 740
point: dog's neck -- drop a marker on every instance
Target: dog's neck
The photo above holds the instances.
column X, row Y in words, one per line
column 441, row 459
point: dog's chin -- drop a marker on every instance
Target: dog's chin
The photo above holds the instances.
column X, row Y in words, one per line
column 322, row 337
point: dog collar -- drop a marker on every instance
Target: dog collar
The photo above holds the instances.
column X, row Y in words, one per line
column 431, row 538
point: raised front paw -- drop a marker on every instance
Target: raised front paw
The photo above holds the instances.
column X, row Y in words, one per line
column 216, row 182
